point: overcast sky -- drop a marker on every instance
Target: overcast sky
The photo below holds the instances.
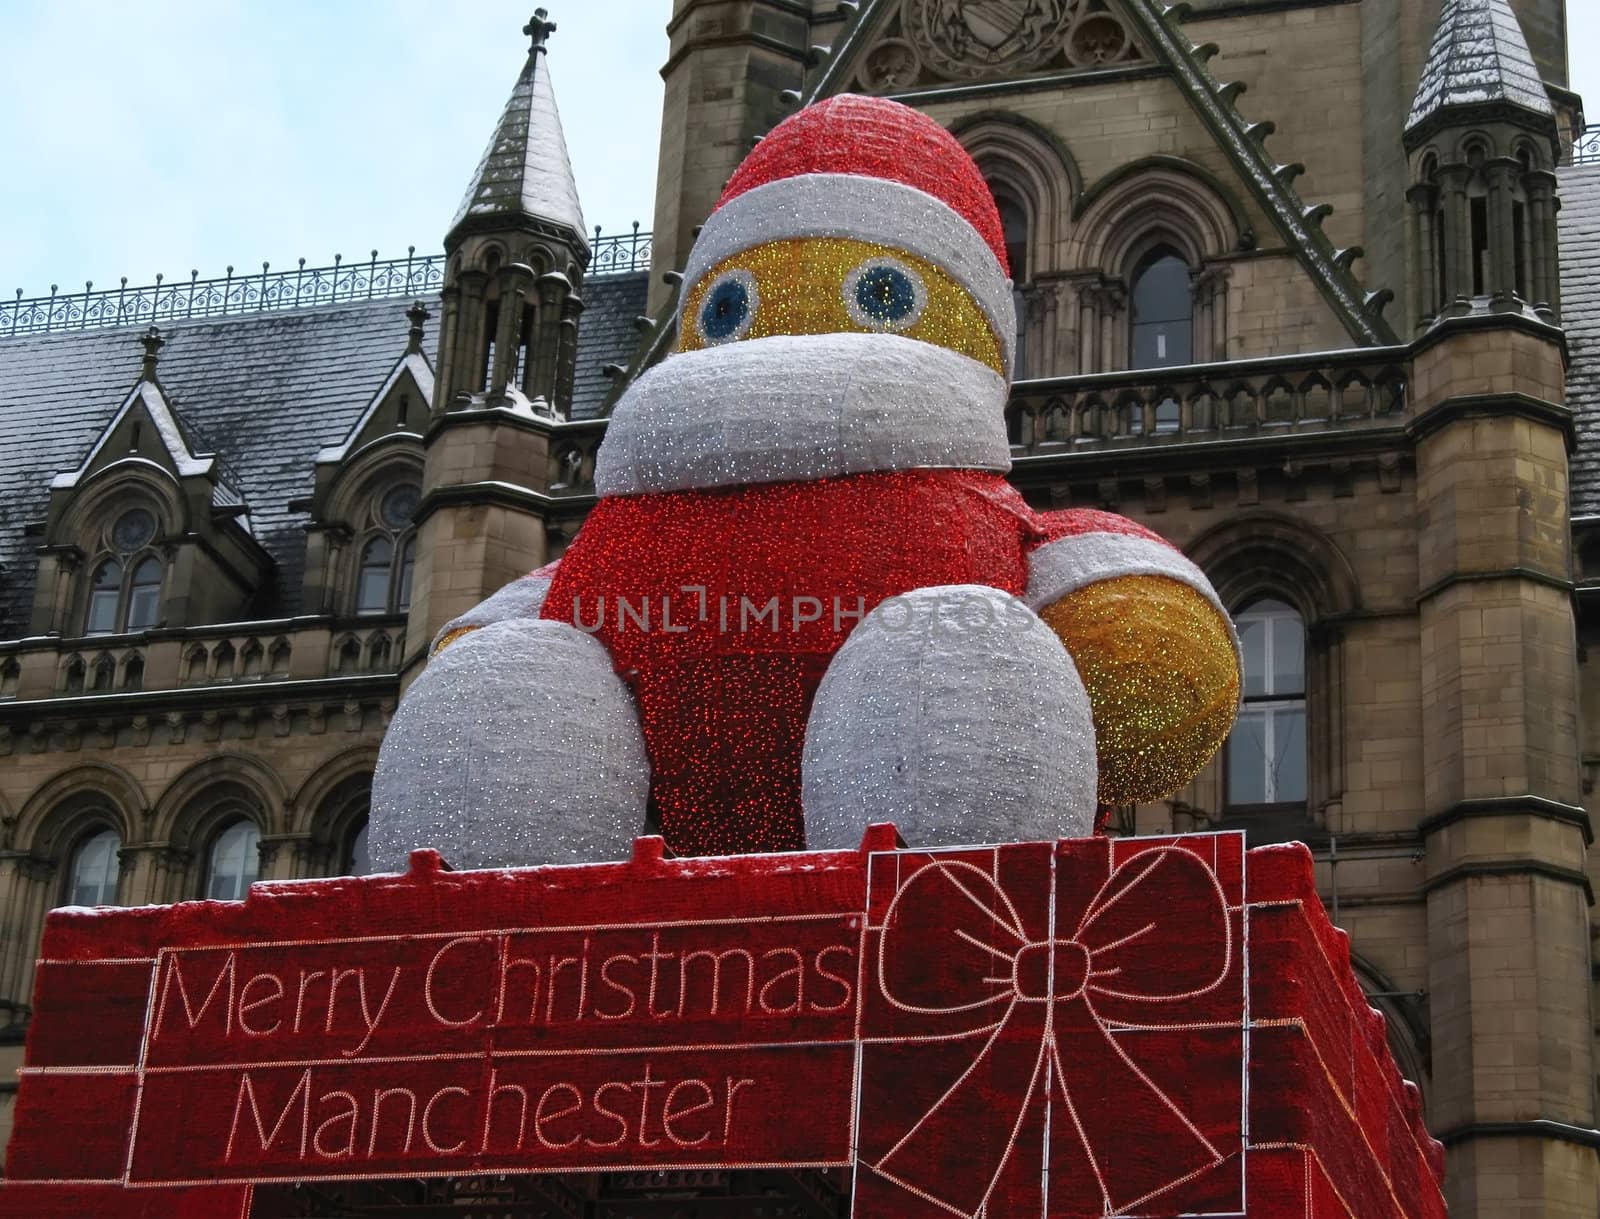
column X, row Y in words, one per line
column 166, row 135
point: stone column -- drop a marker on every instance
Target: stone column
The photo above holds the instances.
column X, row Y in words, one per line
column 1456, row 240
column 1211, row 313
column 1089, row 328
column 515, row 281
column 1424, row 200
column 554, row 289
column 293, row 857
column 1113, row 331
column 449, row 336
column 27, row 884
column 154, row 873
column 1504, row 833
column 1544, row 266
column 1502, row 284
column 567, row 354
column 464, row 373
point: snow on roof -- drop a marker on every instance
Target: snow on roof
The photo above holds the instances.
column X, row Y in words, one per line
column 525, row 169
column 1479, row 56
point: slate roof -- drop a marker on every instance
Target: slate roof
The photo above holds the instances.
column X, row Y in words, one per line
column 607, row 334
column 1479, row 55
column 264, row 392
column 525, row 169
column 1580, row 310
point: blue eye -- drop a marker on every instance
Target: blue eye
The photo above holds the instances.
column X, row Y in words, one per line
column 729, row 307
column 884, row 294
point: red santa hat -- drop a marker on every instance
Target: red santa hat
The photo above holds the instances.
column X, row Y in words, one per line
column 874, row 170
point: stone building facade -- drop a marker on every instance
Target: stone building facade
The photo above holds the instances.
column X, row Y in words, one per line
column 1312, row 287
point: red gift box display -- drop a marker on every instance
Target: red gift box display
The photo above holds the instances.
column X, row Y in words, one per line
column 1136, row 1027
column 1086, row 1005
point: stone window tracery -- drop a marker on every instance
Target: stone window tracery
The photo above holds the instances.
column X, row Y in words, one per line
column 387, row 557
column 125, row 583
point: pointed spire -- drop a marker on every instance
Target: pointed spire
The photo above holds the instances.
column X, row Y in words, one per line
column 1479, row 58
column 152, row 342
column 525, row 171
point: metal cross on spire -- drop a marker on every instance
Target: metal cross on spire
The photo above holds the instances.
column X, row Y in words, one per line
column 539, row 30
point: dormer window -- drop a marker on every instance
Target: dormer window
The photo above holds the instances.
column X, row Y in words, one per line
column 125, row 589
column 388, row 556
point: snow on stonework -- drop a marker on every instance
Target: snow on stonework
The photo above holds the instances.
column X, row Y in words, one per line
column 1142, row 1027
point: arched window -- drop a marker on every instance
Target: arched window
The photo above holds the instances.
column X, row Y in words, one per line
column 1162, row 318
column 144, row 594
column 372, row 584
column 388, row 557
column 92, row 875
column 1162, row 311
column 125, row 589
column 105, row 598
column 1266, row 762
column 234, row 862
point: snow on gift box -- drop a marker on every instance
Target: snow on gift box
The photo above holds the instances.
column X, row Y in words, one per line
column 1139, row 1027
column 822, row 461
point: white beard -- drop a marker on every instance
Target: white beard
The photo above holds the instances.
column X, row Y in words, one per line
column 791, row 408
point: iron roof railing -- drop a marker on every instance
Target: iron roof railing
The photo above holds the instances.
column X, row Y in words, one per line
column 301, row 287
column 621, row 255
column 1586, row 148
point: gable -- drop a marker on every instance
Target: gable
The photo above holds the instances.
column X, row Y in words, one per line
column 399, row 408
column 144, row 428
column 1149, row 65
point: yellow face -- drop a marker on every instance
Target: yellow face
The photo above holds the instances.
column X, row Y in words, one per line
column 829, row 285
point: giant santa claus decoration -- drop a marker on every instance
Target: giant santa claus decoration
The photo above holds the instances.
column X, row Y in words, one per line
column 808, row 598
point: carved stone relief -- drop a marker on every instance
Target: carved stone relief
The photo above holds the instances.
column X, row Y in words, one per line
column 931, row 42
column 890, row 66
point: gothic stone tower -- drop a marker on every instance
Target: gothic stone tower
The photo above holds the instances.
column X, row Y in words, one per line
column 1508, row 929
column 515, row 254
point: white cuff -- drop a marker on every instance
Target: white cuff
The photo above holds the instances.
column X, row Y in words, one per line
column 790, row 408
column 1068, row 564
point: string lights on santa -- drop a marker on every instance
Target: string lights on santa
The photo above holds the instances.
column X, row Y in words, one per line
column 847, row 343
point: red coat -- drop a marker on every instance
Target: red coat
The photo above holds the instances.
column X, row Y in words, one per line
column 722, row 608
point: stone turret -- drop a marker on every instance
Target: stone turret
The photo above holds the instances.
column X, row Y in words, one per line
column 1504, row 830
column 1482, row 142
column 515, row 256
